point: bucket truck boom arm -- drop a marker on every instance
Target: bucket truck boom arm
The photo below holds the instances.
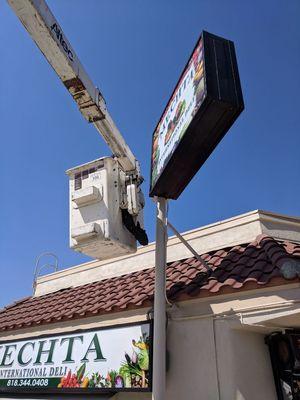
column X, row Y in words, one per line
column 42, row 26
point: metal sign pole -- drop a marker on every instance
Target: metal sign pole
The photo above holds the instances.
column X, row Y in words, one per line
column 159, row 342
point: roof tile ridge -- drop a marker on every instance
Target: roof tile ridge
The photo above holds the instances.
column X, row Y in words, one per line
column 15, row 303
column 273, row 249
column 84, row 285
column 288, row 265
column 264, row 236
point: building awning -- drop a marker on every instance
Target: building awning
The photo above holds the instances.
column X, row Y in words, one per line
column 279, row 317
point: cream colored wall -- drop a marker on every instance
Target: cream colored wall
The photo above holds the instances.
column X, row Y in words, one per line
column 215, row 355
column 192, row 368
column 244, row 367
column 211, row 361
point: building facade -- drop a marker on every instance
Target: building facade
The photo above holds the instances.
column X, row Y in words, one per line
column 218, row 320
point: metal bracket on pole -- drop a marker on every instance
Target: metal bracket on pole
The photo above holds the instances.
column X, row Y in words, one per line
column 186, row 243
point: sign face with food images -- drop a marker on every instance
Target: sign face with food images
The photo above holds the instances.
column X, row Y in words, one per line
column 183, row 105
column 106, row 359
column 206, row 101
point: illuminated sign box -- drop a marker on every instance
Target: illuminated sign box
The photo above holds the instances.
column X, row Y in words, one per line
column 205, row 103
column 105, row 360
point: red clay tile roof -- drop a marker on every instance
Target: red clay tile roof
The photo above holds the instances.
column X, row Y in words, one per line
column 242, row 267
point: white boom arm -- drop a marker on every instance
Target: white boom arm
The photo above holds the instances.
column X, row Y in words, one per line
column 42, row 26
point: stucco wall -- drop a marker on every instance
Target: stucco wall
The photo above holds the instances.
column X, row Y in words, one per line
column 244, row 367
column 239, row 370
column 191, row 373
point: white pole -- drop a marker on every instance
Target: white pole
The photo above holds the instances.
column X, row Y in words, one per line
column 159, row 340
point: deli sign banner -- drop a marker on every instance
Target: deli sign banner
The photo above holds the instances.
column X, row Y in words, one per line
column 110, row 359
column 205, row 102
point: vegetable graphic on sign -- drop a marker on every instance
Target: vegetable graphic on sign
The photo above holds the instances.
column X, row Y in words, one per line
column 135, row 370
column 133, row 373
column 173, row 123
column 198, row 81
column 74, row 380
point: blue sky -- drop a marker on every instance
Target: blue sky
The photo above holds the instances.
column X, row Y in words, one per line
column 134, row 51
